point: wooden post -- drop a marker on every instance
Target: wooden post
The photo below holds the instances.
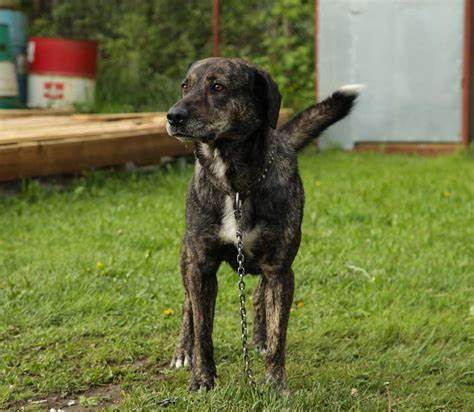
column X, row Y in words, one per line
column 215, row 28
column 466, row 73
column 315, row 33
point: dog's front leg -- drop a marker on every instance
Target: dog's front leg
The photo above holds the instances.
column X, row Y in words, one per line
column 183, row 353
column 278, row 298
column 201, row 282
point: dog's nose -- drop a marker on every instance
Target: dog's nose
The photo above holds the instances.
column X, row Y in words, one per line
column 177, row 116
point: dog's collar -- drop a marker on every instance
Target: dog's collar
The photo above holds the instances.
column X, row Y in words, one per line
column 260, row 179
column 263, row 175
column 244, row 193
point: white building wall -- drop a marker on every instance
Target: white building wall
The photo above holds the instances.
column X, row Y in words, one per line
column 409, row 53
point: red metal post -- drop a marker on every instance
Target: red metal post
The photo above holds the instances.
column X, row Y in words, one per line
column 315, row 33
column 215, row 28
column 466, row 75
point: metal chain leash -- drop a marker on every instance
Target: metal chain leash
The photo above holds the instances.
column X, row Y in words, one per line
column 243, row 311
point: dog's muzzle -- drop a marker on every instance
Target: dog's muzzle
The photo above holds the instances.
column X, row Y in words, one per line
column 177, row 116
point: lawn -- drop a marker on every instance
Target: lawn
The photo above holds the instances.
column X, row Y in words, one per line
column 90, row 292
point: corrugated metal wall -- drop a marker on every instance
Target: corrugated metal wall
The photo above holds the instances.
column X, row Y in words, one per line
column 409, row 53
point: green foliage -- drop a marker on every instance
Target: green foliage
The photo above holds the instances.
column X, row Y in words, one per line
column 90, row 292
column 277, row 37
column 146, row 46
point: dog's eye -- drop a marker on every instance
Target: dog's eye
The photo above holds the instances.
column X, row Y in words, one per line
column 217, row 87
column 184, row 86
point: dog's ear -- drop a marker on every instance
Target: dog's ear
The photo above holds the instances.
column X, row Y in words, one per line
column 267, row 90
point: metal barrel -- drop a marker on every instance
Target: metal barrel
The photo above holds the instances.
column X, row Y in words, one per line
column 8, row 81
column 62, row 72
column 18, row 28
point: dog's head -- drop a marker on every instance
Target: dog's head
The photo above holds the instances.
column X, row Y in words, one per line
column 224, row 98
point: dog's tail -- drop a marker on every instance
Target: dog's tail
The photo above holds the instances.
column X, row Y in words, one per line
column 308, row 124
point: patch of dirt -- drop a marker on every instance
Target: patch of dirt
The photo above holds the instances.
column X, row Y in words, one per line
column 91, row 399
column 97, row 397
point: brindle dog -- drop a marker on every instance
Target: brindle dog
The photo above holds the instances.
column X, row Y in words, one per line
column 229, row 111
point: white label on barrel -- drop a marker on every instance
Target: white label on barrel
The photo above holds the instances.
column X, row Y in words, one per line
column 8, row 84
column 59, row 91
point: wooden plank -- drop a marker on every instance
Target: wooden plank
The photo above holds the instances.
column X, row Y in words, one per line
column 431, row 149
column 84, row 130
column 11, row 113
column 116, row 116
column 34, row 123
column 74, row 155
column 12, row 126
column 285, row 114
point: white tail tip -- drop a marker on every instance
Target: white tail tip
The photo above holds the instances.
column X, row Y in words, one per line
column 352, row 89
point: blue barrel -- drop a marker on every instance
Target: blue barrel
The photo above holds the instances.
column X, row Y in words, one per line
column 18, row 28
column 8, row 82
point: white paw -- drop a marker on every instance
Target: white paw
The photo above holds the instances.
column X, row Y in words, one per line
column 181, row 361
column 262, row 350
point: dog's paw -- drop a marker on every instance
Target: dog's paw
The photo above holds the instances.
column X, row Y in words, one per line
column 260, row 348
column 181, row 359
column 201, row 385
column 277, row 381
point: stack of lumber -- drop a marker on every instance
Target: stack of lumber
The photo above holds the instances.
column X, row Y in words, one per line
column 45, row 143
column 53, row 142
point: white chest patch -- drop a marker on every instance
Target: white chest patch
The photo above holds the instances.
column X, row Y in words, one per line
column 229, row 228
column 217, row 166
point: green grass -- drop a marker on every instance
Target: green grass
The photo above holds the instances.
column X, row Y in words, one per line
column 383, row 280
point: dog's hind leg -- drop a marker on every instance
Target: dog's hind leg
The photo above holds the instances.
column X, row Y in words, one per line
column 259, row 317
column 278, row 300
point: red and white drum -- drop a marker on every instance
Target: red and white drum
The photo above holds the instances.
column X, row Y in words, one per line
column 62, row 72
